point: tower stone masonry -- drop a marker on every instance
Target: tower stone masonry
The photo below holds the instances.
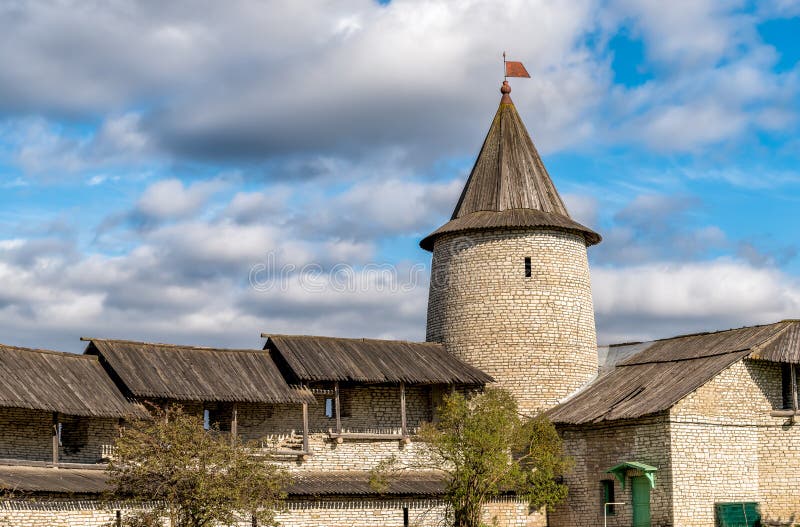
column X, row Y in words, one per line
column 510, row 288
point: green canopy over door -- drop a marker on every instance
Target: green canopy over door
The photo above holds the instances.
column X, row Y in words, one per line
column 647, row 471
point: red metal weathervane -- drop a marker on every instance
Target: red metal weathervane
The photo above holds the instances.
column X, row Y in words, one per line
column 514, row 69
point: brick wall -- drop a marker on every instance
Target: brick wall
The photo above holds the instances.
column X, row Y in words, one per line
column 727, row 447
column 597, row 448
column 27, row 434
column 535, row 335
column 298, row 513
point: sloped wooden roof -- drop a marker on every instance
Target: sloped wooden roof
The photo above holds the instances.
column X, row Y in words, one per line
column 308, row 358
column 191, row 373
column 355, row 482
column 59, row 382
column 27, row 479
column 665, row 371
column 509, row 175
column 35, row 479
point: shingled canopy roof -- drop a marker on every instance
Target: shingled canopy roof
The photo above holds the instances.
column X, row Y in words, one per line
column 307, row 359
column 509, row 186
column 665, row 371
column 355, row 482
column 191, row 373
column 27, row 479
column 36, row 479
column 59, row 382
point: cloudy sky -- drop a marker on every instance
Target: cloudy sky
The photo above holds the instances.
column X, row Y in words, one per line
column 201, row 172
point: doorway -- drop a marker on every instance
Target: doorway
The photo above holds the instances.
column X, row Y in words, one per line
column 640, row 497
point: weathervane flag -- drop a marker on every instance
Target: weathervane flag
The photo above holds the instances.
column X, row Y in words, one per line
column 514, row 69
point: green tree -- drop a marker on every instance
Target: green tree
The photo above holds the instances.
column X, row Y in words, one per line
column 195, row 477
column 486, row 448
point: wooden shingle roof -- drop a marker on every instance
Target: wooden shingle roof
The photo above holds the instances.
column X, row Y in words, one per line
column 59, row 382
column 36, row 479
column 665, row 371
column 309, row 358
column 356, row 482
column 509, row 175
column 27, row 479
column 191, row 373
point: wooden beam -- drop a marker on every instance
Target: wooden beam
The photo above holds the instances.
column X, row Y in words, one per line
column 357, row 435
column 234, row 423
column 55, row 438
column 305, row 427
column 403, row 430
column 336, row 408
column 793, row 369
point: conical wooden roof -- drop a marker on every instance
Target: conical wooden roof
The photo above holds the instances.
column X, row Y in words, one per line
column 509, row 185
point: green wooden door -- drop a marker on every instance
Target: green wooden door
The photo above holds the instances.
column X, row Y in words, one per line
column 640, row 490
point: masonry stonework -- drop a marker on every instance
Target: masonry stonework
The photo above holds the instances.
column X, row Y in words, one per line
column 597, row 448
column 535, row 335
column 332, row 512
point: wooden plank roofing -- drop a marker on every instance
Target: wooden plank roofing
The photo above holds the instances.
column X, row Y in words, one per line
column 59, row 382
column 308, row 359
column 509, row 175
column 26, row 479
column 665, row 371
column 29, row 479
column 354, row 482
column 191, row 373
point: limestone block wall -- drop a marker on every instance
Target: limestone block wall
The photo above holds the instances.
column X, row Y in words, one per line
column 536, row 335
column 597, row 448
column 341, row 512
column 364, row 408
column 354, row 454
column 727, row 447
column 27, row 434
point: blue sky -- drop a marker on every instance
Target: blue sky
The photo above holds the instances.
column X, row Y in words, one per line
column 154, row 161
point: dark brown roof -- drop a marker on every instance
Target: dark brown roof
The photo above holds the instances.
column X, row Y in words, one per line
column 190, row 373
column 28, row 479
column 59, row 382
column 62, row 480
column 666, row 371
column 369, row 360
column 344, row 483
column 509, row 175
column 512, row 219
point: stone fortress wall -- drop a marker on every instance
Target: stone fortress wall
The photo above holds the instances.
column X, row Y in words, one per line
column 535, row 335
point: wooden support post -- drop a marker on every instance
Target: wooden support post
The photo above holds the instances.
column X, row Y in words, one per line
column 55, row 439
column 305, row 428
column 234, row 423
column 336, row 408
column 793, row 376
column 403, row 430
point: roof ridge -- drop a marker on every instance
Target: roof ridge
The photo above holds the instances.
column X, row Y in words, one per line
column 700, row 333
column 45, row 351
column 278, row 335
column 168, row 345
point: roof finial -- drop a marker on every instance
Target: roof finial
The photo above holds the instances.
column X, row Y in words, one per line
column 511, row 69
column 505, row 89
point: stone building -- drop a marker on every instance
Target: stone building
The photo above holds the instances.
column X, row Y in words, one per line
column 693, row 431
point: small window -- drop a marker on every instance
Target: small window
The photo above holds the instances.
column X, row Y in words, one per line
column 786, row 385
column 206, row 419
column 527, row 267
column 607, row 495
column 329, row 407
column 405, row 516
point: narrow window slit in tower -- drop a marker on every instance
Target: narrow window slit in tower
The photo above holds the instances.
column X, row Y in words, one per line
column 527, row 267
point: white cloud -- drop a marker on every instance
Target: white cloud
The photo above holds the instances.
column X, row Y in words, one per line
column 170, row 198
column 660, row 299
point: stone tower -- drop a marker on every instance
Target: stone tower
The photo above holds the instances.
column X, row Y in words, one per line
column 510, row 290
